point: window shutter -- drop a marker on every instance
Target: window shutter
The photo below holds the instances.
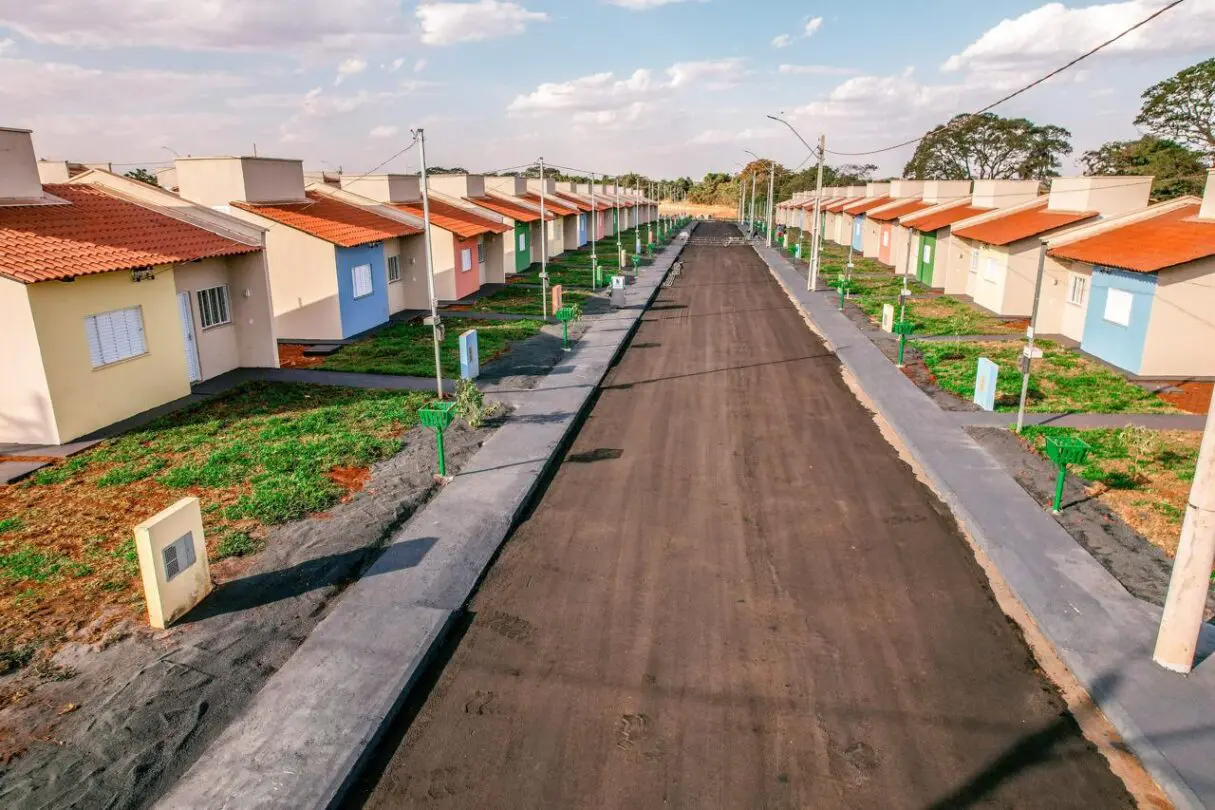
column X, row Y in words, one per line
column 94, row 339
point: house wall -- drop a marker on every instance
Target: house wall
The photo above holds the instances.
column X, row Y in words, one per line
column 1181, row 333
column 957, row 269
column 248, row 339
column 86, row 398
column 361, row 314
column 556, row 236
column 1056, row 314
column 571, row 232
column 885, row 246
column 410, row 292
column 989, row 283
column 443, row 255
column 1020, row 278
column 904, row 250
column 536, row 237
column 27, row 413
column 466, row 282
column 871, row 240
column 495, row 257
column 1122, row 346
column 1108, row 195
column 18, row 166
column 220, row 180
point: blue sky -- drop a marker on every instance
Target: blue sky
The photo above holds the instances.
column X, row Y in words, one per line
column 664, row 87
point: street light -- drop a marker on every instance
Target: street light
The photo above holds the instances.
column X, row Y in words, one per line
column 771, row 191
column 812, row 276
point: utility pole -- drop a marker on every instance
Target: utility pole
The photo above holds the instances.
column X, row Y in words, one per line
column 751, row 226
column 812, row 276
column 771, row 191
column 543, row 247
column 1028, row 359
column 1182, row 622
column 435, row 326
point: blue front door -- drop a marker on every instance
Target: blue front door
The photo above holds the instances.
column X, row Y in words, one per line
column 857, row 239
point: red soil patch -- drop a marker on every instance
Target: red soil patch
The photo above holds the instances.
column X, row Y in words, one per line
column 352, row 479
column 47, row 459
column 291, row 355
column 1192, row 397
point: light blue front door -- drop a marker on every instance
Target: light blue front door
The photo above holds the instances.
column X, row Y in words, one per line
column 858, row 242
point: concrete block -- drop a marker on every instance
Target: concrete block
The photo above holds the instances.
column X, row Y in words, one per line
column 173, row 561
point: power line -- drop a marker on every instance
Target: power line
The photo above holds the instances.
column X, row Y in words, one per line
column 1024, row 89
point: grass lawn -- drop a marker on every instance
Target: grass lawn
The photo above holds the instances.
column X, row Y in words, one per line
column 1143, row 475
column 522, row 301
column 263, row 454
column 1062, row 381
column 406, row 348
column 559, row 273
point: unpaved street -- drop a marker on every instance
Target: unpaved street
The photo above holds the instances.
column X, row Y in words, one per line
column 735, row 595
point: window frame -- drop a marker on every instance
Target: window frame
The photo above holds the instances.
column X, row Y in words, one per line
column 1075, row 282
column 354, row 282
column 466, row 264
column 90, row 322
column 393, row 263
column 1126, row 295
column 204, row 306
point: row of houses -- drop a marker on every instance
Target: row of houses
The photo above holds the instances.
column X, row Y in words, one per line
column 1129, row 282
column 117, row 296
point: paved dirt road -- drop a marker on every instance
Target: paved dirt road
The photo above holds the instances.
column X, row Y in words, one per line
column 735, row 595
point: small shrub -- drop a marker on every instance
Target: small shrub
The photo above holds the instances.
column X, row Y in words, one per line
column 470, row 404
column 235, row 544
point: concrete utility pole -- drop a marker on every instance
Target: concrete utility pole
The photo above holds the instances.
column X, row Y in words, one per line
column 543, row 247
column 751, row 226
column 771, row 192
column 812, row 276
column 594, row 216
column 1181, row 624
column 435, row 326
column 1028, row 359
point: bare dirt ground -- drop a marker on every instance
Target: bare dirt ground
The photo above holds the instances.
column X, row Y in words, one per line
column 111, row 724
column 734, row 594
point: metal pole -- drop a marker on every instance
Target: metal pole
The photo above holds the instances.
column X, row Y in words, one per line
column 1182, row 622
column 771, row 192
column 543, row 248
column 1029, row 333
column 812, row 276
column 752, row 221
column 430, row 265
column 594, row 216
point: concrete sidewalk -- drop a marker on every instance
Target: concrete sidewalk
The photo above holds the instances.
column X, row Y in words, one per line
column 303, row 739
column 1100, row 632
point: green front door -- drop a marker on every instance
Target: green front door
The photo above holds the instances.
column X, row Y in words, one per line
column 928, row 255
column 615, row 220
column 523, row 247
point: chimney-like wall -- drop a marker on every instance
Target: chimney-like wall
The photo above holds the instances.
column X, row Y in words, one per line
column 906, row 188
column 874, row 190
column 221, row 180
column 538, row 186
column 387, row 188
column 510, row 186
column 459, row 185
column 54, row 171
column 1208, row 198
column 1108, row 196
column 941, row 191
column 1003, row 193
column 18, row 166
column 854, row 191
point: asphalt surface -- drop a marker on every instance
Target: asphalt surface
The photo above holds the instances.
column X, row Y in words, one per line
column 734, row 594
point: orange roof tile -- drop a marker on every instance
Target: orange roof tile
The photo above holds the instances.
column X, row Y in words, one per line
column 453, row 218
column 934, row 222
column 519, row 213
column 867, row 204
column 553, row 204
column 1173, row 238
column 1017, row 225
column 840, row 204
column 585, row 205
column 97, row 233
column 330, row 219
column 900, row 210
column 569, row 199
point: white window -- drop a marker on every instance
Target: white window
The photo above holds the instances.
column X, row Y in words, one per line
column 522, row 242
column 480, row 251
column 1118, row 307
column 974, row 260
column 114, row 336
column 394, row 269
column 466, row 259
column 1075, row 293
column 361, row 276
column 991, row 272
column 213, row 306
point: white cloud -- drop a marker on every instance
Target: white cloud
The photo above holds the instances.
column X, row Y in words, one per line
column 395, row 66
column 808, row 30
column 717, row 73
column 224, row 25
column 713, row 137
column 1053, row 33
column 317, row 104
column 351, row 66
column 812, row 25
column 815, row 70
column 895, row 96
column 419, row 66
column 68, row 84
column 384, row 131
column 646, row 5
column 449, row 23
column 7, row 45
column 782, row 41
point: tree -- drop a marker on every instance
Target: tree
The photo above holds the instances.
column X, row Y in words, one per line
column 1177, row 169
column 143, row 176
column 442, row 170
column 1183, row 108
column 987, row 146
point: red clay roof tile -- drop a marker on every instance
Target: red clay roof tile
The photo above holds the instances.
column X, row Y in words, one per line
column 97, row 233
column 1017, row 225
column 507, row 208
column 332, row 220
column 1173, row 238
column 453, row 218
column 940, row 219
column 901, row 210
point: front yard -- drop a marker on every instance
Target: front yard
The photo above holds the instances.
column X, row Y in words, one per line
column 1143, row 475
column 1062, row 381
column 516, row 300
column 263, row 454
column 407, row 349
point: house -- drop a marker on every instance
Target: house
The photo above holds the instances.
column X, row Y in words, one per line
column 1005, row 245
column 905, row 198
column 468, row 244
column 328, row 259
column 951, row 257
column 905, row 244
column 564, row 194
column 1137, row 291
column 596, row 208
column 115, row 296
column 864, row 241
column 839, row 223
column 502, row 196
column 569, row 226
column 614, row 220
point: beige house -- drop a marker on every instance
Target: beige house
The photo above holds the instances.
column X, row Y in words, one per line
column 115, row 296
column 846, row 230
column 568, row 227
column 879, row 223
column 1004, row 245
column 906, row 251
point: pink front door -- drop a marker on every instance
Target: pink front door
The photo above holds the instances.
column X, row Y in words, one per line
column 885, row 248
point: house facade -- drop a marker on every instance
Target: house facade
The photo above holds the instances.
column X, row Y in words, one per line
column 568, row 226
column 880, row 223
column 114, row 304
column 953, row 260
column 843, row 230
column 866, row 240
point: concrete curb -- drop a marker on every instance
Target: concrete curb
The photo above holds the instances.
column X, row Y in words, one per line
column 1099, row 631
column 307, row 734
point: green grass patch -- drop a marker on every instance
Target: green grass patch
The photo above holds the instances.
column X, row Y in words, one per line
column 522, row 301
column 1062, row 381
column 235, row 543
column 29, row 564
column 407, row 348
column 11, row 524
